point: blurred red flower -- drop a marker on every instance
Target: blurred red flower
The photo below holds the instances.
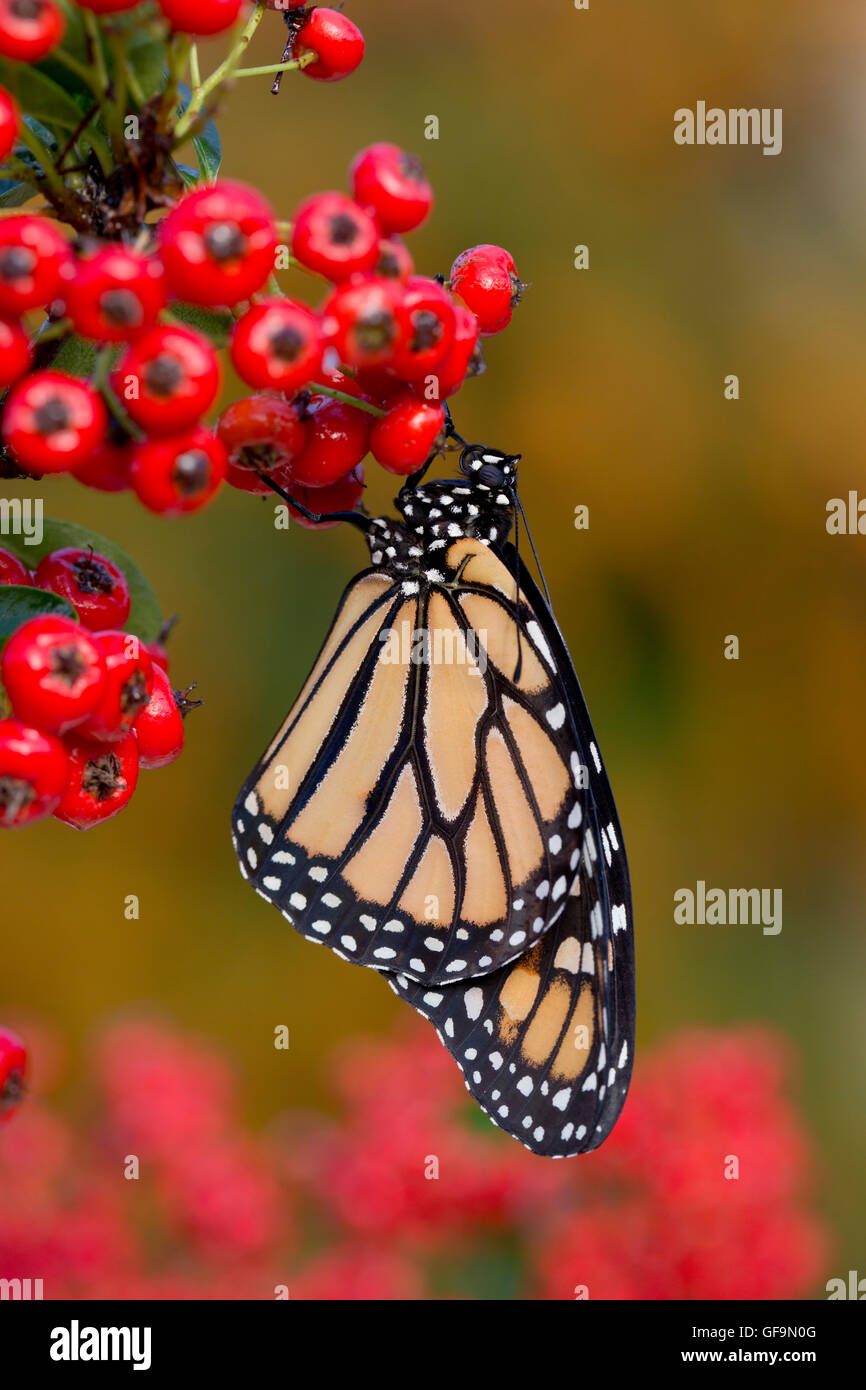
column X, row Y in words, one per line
column 159, row 1191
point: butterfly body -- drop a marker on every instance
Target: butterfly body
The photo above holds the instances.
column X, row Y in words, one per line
column 434, row 807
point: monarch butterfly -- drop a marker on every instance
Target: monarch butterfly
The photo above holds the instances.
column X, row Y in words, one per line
column 435, row 807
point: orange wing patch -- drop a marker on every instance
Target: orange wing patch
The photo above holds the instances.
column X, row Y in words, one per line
column 337, row 806
column 375, row 871
column 456, row 699
column 484, row 900
column 430, row 893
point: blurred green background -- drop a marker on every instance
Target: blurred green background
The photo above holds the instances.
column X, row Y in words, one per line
column 707, row 518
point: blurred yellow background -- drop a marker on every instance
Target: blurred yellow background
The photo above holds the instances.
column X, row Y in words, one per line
column 707, row 518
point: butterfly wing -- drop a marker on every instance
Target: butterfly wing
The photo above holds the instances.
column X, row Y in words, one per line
column 419, row 810
column 546, row 1044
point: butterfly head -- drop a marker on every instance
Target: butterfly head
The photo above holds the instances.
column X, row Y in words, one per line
column 489, row 469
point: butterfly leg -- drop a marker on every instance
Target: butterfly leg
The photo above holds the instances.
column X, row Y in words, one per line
column 358, row 519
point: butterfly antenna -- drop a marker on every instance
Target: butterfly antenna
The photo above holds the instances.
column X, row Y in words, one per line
column 532, row 546
column 363, row 523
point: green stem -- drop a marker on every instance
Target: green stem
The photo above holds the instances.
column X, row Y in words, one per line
column 94, row 36
column 336, row 395
column 80, row 69
column 194, row 69
column 220, row 74
column 17, row 169
column 292, row 66
column 52, row 180
column 115, row 406
column 51, row 330
column 178, row 57
column 135, row 88
column 121, row 76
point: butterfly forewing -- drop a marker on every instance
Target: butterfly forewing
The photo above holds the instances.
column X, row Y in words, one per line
column 419, row 810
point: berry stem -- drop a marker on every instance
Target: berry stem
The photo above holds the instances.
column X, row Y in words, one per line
column 315, row 389
column 51, row 331
column 80, row 69
column 114, row 405
column 221, row 74
column 134, row 86
column 52, row 183
column 294, row 65
column 194, row 68
column 178, row 57
column 97, row 53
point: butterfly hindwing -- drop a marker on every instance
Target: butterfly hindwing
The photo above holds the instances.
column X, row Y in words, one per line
column 419, row 809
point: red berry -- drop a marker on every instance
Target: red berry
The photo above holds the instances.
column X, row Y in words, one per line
column 333, row 236
column 29, row 29
column 159, row 727
column 405, row 438
column 425, row 317
column 392, row 184
column 108, row 6
column 341, row 496
column 201, row 16
column 277, row 343
column 262, row 434
column 218, row 244
column 107, row 468
column 486, row 280
column 115, row 293
column 53, row 422
column 128, row 683
column 97, row 589
column 394, row 261
column 360, row 319
column 377, row 383
column 13, row 570
column 10, row 120
column 54, row 673
column 16, row 356
column 34, row 770
column 13, row 1072
column 34, row 261
column 463, row 355
column 101, row 780
column 158, row 655
column 338, row 440
column 336, row 41
column 167, row 379
column 178, row 474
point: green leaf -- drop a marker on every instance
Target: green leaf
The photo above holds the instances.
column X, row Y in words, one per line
column 209, row 151
column 76, row 356
column 215, row 324
column 74, row 34
column 13, row 195
column 18, row 602
column 190, row 176
column 40, row 96
column 146, row 57
column 207, row 144
column 145, row 618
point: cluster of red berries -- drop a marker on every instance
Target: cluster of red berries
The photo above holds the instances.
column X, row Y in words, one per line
column 395, row 342
column 30, row 29
column 13, row 1072
column 91, row 705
